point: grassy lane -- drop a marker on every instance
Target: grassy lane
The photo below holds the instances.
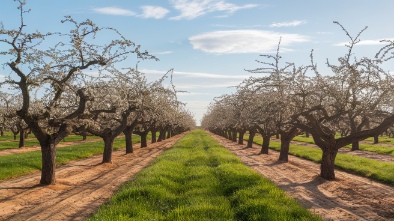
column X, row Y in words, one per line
column 23, row 163
column 376, row 148
column 378, row 170
column 6, row 142
column 200, row 180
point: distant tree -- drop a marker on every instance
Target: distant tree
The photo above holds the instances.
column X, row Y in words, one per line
column 280, row 82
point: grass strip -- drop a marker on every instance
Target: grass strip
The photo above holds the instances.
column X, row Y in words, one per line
column 15, row 165
column 375, row 169
column 376, row 148
column 10, row 143
column 200, row 180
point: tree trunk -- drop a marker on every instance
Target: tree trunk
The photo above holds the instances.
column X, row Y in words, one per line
column 229, row 135
column 169, row 133
column 22, row 138
column 15, row 136
column 277, row 135
column 108, row 146
column 265, row 145
column 48, row 158
column 128, row 132
column 252, row 133
column 144, row 142
column 234, row 136
column 376, row 139
column 153, row 136
column 328, row 163
column 306, row 134
column 241, row 137
column 1, row 132
column 26, row 133
column 355, row 145
column 161, row 135
column 83, row 136
column 284, row 150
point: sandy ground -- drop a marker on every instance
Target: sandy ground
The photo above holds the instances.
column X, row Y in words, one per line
column 82, row 186
column 349, row 197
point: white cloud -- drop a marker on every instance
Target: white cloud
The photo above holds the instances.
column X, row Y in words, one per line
column 287, row 24
column 155, row 12
column 2, row 78
column 367, row 42
column 114, row 11
column 191, row 9
column 244, row 41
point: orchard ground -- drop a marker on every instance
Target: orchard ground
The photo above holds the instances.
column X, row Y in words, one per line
column 84, row 185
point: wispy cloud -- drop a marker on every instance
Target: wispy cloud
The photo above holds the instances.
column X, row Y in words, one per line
column 197, row 94
column 197, row 74
column 200, row 86
column 148, row 11
column 288, row 24
column 2, row 78
column 114, row 11
column 155, row 12
column 191, row 9
column 244, row 41
column 367, row 42
column 324, row 33
column 162, row 52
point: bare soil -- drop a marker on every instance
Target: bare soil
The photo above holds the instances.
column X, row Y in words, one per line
column 82, row 186
column 349, row 197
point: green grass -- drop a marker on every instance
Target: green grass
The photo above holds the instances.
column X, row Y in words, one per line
column 8, row 135
column 375, row 169
column 8, row 142
column 200, row 180
column 15, row 144
column 23, row 163
column 376, row 148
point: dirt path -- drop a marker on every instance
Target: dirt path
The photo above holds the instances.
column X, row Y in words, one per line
column 82, row 186
column 350, row 197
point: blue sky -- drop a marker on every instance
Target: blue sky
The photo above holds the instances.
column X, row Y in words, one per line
column 209, row 43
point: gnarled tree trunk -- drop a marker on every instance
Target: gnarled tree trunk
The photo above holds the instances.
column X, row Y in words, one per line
column 328, row 162
column 284, row 149
column 48, row 158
